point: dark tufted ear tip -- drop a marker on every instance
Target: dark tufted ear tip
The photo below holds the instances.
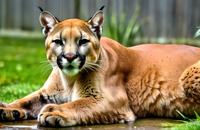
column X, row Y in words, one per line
column 40, row 8
column 102, row 7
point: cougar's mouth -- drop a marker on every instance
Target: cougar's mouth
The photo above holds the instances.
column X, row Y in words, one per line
column 71, row 68
column 71, row 71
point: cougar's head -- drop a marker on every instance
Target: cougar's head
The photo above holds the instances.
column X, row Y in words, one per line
column 72, row 44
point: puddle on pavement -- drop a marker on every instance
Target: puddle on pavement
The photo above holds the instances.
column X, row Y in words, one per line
column 140, row 124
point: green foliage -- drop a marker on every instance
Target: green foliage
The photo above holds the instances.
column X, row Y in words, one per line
column 23, row 67
column 192, row 125
column 188, row 124
column 123, row 31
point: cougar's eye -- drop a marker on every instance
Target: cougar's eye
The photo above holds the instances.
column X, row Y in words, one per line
column 58, row 41
column 83, row 41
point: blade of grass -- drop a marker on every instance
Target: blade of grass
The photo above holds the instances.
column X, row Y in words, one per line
column 184, row 117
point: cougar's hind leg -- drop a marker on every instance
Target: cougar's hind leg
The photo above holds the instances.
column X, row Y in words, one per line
column 190, row 81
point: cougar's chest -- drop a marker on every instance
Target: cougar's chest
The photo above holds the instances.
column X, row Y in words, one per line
column 75, row 94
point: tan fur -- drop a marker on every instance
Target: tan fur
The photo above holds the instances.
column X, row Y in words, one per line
column 143, row 81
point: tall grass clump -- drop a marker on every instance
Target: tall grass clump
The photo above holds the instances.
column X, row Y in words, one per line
column 122, row 30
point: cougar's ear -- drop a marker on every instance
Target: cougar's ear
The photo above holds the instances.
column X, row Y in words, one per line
column 96, row 22
column 47, row 21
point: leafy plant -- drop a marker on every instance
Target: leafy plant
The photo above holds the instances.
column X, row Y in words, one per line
column 197, row 34
column 123, row 31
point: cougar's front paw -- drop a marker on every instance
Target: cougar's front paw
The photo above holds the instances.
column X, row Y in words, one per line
column 11, row 114
column 55, row 119
column 52, row 115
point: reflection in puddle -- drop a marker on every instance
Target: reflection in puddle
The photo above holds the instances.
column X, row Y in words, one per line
column 33, row 127
column 142, row 124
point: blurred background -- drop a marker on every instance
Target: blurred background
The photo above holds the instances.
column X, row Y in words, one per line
column 23, row 66
column 153, row 19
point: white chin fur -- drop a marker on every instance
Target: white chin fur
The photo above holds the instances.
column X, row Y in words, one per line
column 71, row 72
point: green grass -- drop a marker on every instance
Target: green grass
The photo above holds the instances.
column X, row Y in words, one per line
column 23, row 67
column 185, row 124
column 192, row 125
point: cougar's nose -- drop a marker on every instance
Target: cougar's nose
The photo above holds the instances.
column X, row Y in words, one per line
column 70, row 56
